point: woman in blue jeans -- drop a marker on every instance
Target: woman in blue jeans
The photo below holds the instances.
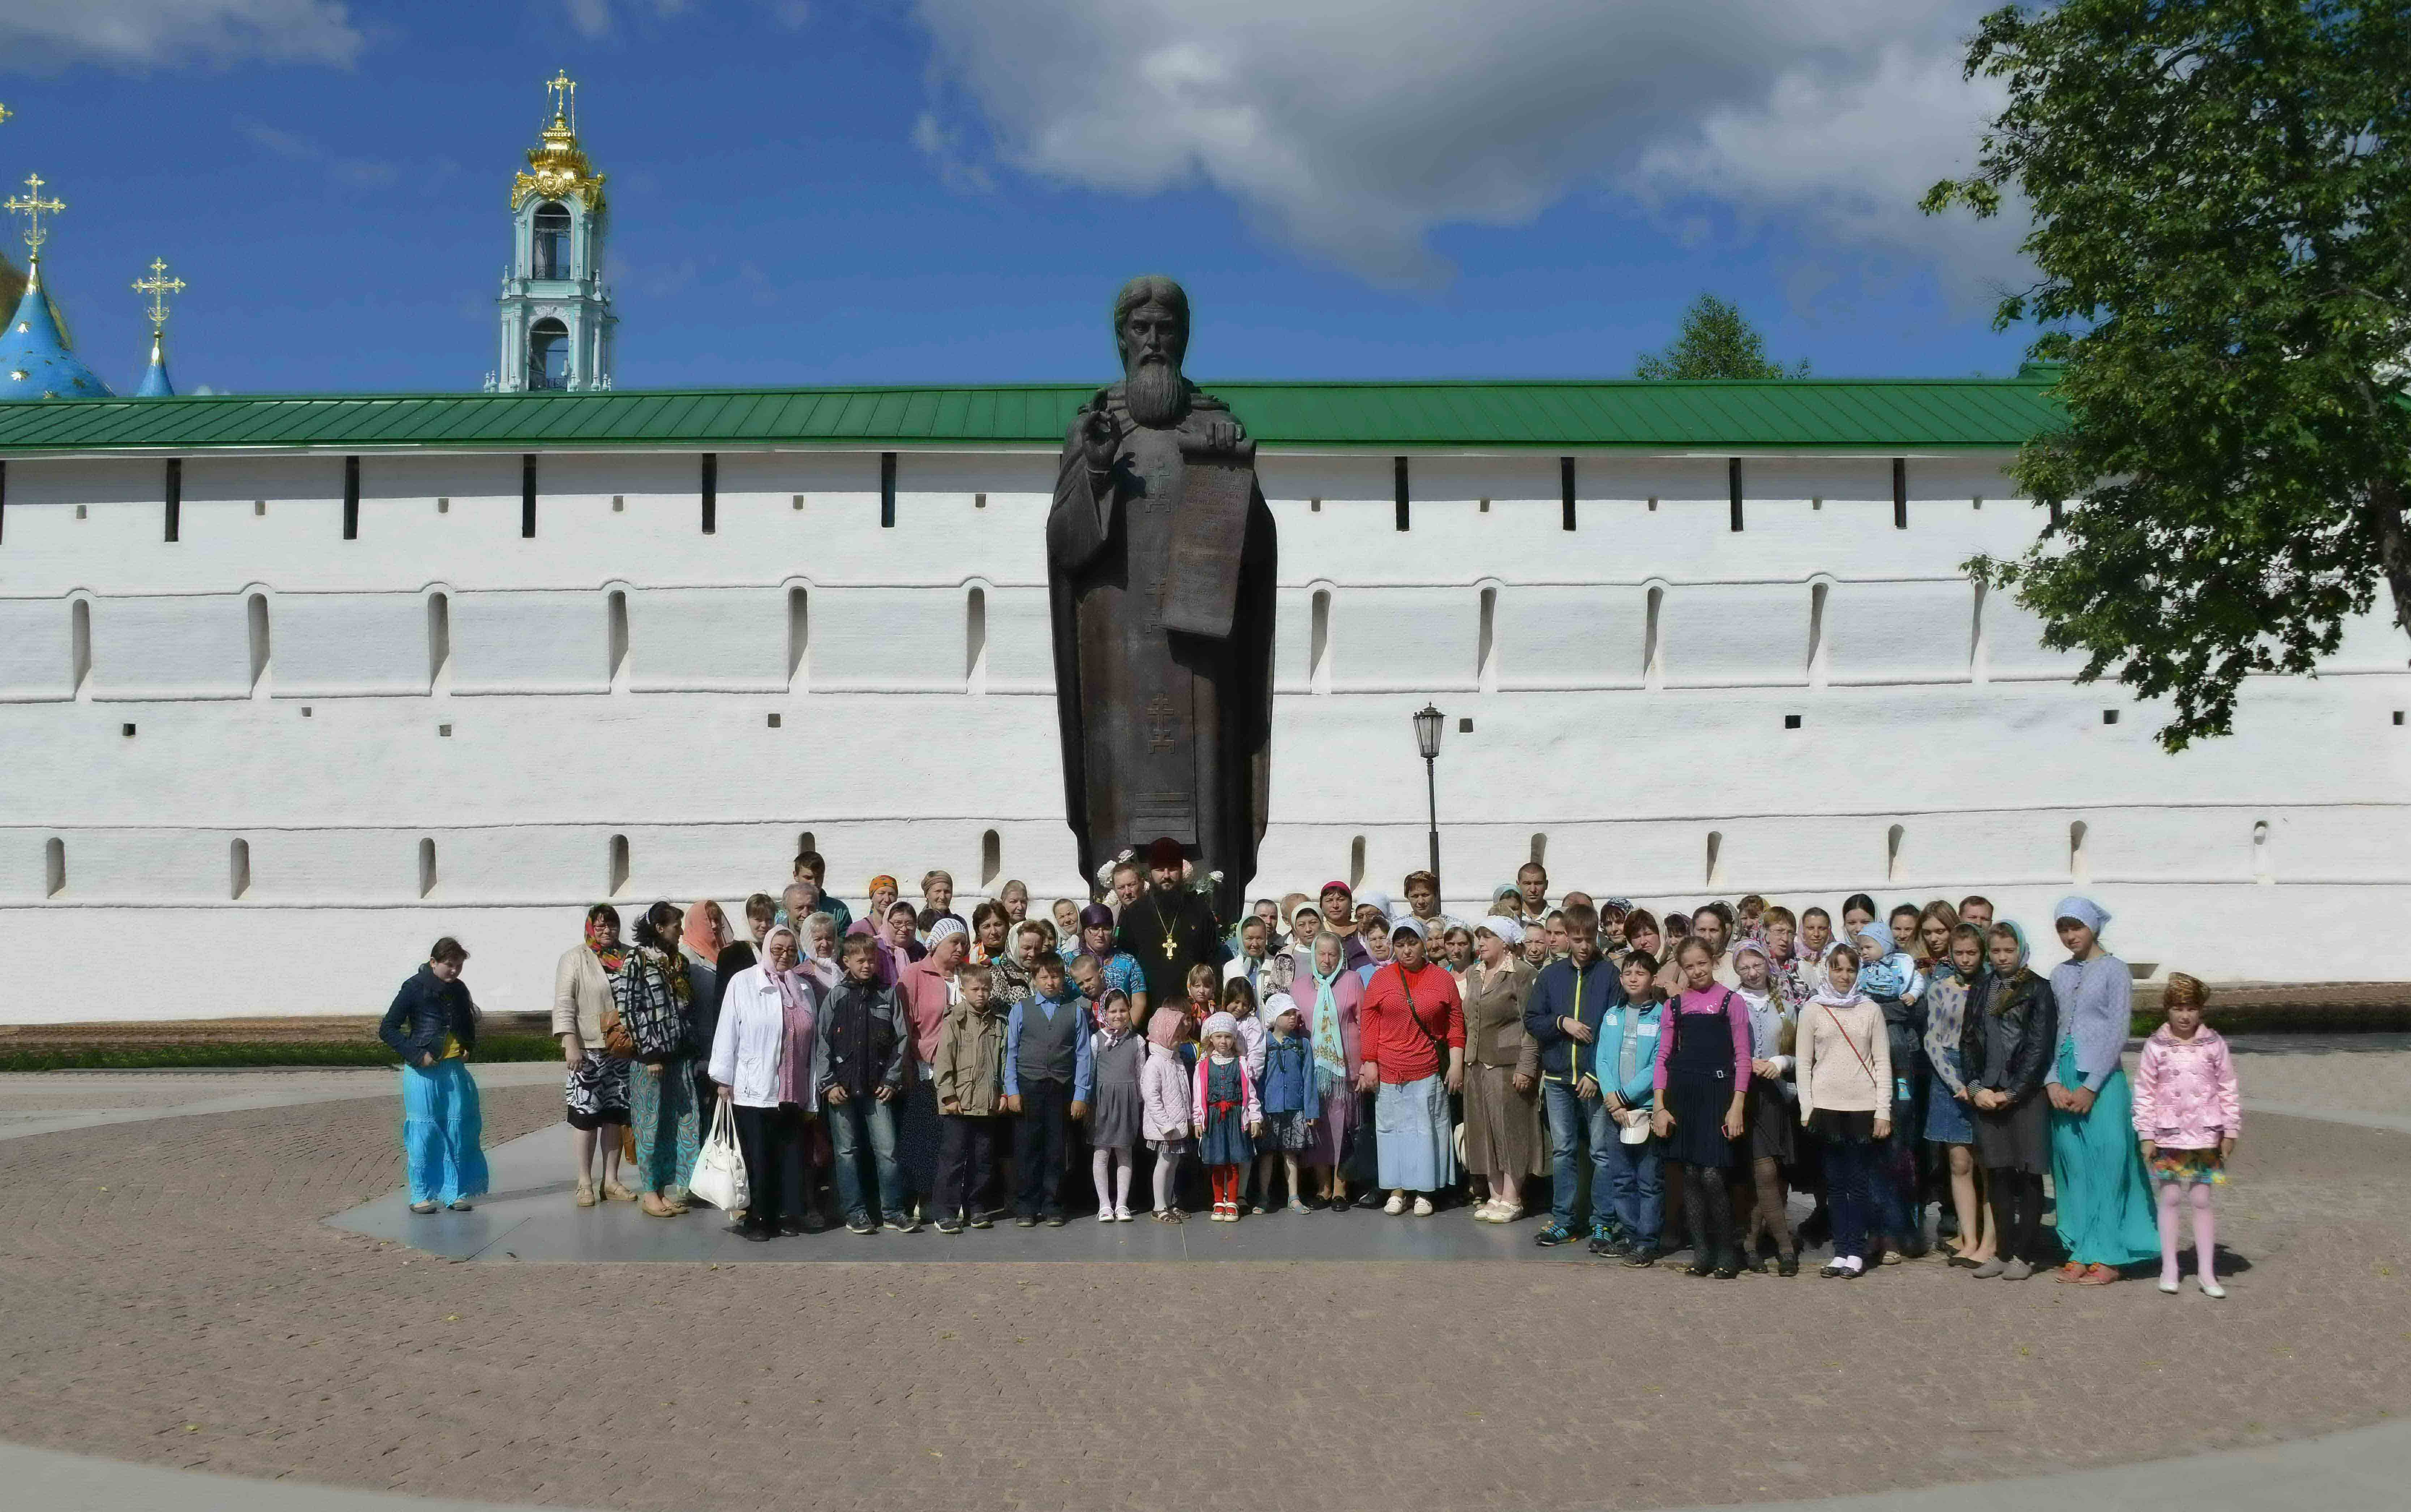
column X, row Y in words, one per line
column 432, row 1025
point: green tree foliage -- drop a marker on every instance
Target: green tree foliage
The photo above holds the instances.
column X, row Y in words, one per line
column 1715, row 342
column 2221, row 197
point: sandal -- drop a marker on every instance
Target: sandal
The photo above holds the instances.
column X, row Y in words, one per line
column 653, row 1207
column 584, row 1195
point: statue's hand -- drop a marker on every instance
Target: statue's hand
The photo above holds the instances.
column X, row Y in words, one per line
column 1222, row 433
column 1100, row 439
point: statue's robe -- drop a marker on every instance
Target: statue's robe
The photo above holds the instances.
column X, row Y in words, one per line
column 1163, row 598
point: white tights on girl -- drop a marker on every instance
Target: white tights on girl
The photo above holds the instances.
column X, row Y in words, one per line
column 1112, row 1169
column 1167, row 1166
column 2205, row 1235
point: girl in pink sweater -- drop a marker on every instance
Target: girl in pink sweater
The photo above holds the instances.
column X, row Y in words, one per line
column 2187, row 1108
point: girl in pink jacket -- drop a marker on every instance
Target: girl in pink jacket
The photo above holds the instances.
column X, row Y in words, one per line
column 2187, row 1108
column 1163, row 1111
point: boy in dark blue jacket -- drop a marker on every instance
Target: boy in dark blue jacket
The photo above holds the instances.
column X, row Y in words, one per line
column 1562, row 1015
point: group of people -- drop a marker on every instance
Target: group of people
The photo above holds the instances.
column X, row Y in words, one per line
column 1675, row 1080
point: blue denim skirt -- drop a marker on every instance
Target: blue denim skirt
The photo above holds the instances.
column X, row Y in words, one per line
column 1948, row 1121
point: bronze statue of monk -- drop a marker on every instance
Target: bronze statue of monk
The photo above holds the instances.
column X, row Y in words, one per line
column 1160, row 563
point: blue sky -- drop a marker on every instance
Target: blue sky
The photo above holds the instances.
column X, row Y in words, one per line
column 848, row 191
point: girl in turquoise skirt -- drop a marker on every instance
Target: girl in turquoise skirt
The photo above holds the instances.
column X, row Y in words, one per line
column 2106, row 1215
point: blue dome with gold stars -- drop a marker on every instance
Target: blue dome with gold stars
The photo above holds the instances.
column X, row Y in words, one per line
column 35, row 360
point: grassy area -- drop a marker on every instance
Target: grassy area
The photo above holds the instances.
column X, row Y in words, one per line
column 2282, row 1019
column 236, row 1055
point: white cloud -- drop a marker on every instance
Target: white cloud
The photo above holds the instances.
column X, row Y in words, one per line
column 1353, row 128
column 592, row 17
column 351, row 172
column 43, row 36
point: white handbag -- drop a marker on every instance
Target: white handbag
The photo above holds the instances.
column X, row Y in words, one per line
column 719, row 1176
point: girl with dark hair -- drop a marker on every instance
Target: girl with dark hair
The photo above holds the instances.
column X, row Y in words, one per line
column 1858, row 911
column 586, row 1021
column 653, row 997
column 432, row 1025
column 1701, row 1084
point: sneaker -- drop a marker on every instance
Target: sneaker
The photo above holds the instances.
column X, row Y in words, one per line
column 1104, row 1215
column 950, row 1225
column 908, row 1225
column 1122, row 1215
column 1641, row 1255
column 1396, row 1205
column 860, row 1223
column 2016, row 1271
column 813, row 1223
column 1423, row 1207
column 980, row 1220
column 1606, row 1249
column 1054, row 1220
column 1027, row 1220
column 1553, row 1233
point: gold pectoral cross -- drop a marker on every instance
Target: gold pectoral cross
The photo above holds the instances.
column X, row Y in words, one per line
column 1168, row 951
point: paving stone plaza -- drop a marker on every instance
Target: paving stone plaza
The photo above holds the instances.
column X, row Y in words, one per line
column 213, row 1275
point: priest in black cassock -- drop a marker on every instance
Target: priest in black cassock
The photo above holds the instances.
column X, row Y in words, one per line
column 1169, row 929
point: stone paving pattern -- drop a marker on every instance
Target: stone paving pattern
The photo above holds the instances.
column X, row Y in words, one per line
column 173, row 1298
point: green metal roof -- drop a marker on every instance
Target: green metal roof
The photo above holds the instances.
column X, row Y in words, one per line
column 1796, row 414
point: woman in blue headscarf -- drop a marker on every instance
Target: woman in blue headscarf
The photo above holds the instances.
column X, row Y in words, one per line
column 2005, row 1044
column 2106, row 1215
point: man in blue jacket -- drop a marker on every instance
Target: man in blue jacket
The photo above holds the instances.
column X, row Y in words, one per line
column 1562, row 1015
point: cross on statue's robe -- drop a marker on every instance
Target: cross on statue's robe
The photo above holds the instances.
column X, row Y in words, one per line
column 1161, row 589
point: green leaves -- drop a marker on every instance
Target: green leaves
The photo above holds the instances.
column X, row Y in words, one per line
column 1717, row 341
column 2218, row 191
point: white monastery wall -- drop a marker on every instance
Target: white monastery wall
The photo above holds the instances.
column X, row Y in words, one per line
column 295, row 758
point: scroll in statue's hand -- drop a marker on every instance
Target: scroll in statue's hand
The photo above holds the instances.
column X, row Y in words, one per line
column 1100, row 437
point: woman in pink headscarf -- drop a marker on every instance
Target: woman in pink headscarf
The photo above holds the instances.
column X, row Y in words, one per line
column 762, row 1067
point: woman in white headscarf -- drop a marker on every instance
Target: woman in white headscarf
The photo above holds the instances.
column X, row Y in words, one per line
column 1502, row 1132
column 762, row 1064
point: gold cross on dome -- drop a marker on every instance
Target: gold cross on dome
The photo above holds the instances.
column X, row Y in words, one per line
column 5, row 114
column 564, row 92
column 32, row 207
column 158, row 286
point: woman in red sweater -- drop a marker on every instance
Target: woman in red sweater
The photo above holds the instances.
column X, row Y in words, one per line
column 1411, row 1030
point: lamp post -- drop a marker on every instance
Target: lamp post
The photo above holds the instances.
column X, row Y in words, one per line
column 1427, row 722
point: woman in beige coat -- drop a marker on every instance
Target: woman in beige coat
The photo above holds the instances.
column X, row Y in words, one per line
column 1502, row 1130
column 597, row 1089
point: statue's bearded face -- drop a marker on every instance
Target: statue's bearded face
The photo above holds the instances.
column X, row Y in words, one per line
column 1151, row 343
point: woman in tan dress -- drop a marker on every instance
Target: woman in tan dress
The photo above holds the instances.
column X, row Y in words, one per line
column 1502, row 1131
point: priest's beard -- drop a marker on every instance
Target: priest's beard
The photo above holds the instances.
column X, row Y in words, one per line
column 1152, row 391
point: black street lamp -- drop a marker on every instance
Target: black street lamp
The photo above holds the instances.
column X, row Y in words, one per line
column 1427, row 722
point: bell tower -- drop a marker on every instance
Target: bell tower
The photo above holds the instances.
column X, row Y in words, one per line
column 556, row 313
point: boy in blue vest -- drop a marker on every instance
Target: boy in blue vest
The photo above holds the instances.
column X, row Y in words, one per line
column 1562, row 1015
column 1047, row 1081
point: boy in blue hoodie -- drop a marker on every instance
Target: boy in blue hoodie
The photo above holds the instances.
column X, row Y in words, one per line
column 1568, row 999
